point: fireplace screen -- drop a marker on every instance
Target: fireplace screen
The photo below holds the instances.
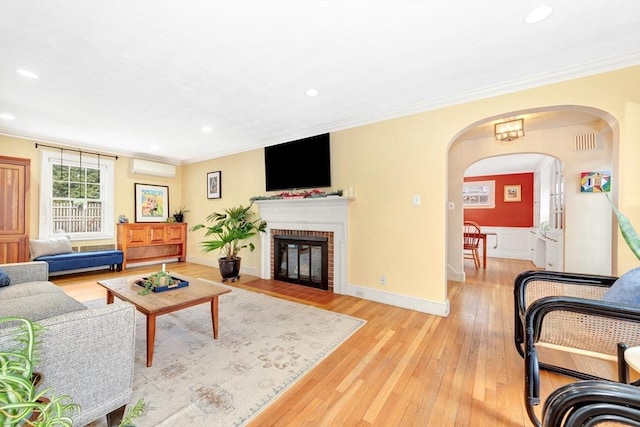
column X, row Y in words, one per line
column 302, row 260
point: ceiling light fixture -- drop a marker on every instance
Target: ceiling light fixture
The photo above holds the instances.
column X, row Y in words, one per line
column 312, row 92
column 7, row 117
column 27, row 73
column 538, row 14
column 509, row 131
column 207, row 129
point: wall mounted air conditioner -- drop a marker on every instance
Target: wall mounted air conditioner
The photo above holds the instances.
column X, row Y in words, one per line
column 145, row 167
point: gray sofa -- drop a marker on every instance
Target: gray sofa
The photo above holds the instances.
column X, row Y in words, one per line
column 86, row 353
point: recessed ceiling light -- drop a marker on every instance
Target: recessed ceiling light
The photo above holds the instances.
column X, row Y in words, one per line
column 27, row 73
column 312, row 92
column 207, row 129
column 538, row 14
column 7, row 117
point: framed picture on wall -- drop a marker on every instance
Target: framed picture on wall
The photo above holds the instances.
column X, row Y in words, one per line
column 512, row 193
column 595, row 182
column 214, row 185
column 152, row 202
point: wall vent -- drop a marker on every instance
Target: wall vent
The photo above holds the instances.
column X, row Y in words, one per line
column 585, row 142
column 145, row 167
column 92, row 248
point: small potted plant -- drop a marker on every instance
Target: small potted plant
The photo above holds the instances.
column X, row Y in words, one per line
column 20, row 403
column 231, row 230
column 160, row 282
column 178, row 214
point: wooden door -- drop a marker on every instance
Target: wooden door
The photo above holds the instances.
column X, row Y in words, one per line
column 14, row 209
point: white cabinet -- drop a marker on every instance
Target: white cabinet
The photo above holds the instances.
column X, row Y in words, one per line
column 547, row 250
column 553, row 256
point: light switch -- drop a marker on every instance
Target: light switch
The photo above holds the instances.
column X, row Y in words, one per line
column 416, row 200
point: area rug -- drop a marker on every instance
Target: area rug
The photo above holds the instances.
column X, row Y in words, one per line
column 264, row 346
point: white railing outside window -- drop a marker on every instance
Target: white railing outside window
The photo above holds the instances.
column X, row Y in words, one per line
column 478, row 194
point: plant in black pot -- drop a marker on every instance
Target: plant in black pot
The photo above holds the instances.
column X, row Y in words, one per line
column 231, row 230
column 178, row 214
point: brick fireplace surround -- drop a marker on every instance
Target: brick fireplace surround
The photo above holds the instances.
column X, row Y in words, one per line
column 322, row 216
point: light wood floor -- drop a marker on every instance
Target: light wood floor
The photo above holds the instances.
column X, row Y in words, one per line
column 404, row 368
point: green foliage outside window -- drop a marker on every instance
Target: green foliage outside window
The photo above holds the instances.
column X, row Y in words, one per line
column 73, row 182
column 76, row 199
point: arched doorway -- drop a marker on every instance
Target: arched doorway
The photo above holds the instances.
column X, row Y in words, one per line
column 529, row 228
column 554, row 132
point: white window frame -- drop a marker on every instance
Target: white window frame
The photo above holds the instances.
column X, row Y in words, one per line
column 479, row 187
column 107, row 180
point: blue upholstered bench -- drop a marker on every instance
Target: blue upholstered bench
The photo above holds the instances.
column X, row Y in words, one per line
column 78, row 260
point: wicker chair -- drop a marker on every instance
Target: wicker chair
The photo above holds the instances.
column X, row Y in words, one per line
column 589, row 403
column 564, row 311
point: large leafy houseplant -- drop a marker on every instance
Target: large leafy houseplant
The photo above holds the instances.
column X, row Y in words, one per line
column 231, row 231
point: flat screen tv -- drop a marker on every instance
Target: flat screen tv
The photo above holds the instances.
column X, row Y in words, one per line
column 305, row 163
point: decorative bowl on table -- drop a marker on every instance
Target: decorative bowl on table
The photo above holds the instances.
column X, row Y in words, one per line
column 160, row 282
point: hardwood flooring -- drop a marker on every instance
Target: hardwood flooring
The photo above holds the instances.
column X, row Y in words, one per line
column 403, row 368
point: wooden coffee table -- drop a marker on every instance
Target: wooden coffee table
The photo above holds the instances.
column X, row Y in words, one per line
column 154, row 304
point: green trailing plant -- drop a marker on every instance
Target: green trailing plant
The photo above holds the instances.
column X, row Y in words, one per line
column 20, row 402
column 628, row 232
column 133, row 413
column 231, row 230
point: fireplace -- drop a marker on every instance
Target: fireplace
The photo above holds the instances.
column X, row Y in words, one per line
column 324, row 217
column 301, row 259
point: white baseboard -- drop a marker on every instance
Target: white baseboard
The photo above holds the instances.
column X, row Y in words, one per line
column 455, row 276
column 403, row 301
column 411, row 303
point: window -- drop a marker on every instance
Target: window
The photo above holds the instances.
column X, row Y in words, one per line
column 76, row 196
column 478, row 194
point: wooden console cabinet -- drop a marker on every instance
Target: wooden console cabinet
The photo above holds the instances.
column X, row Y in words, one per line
column 149, row 241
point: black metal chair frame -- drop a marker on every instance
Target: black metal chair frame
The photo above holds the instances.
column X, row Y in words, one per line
column 530, row 320
column 587, row 403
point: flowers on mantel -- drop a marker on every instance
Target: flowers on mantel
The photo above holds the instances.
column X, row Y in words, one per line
column 315, row 193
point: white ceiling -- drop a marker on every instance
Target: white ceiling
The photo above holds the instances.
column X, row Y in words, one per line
column 143, row 77
column 507, row 164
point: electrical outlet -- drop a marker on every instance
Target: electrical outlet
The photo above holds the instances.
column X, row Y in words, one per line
column 383, row 280
column 359, row 293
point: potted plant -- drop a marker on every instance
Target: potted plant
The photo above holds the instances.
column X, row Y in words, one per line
column 20, row 403
column 178, row 214
column 231, row 230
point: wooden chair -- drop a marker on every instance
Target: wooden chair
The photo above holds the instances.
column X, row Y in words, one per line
column 471, row 246
column 564, row 312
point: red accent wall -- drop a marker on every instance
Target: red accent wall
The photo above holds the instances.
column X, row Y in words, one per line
column 505, row 214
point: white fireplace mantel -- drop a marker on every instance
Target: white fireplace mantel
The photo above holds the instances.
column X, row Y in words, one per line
column 327, row 214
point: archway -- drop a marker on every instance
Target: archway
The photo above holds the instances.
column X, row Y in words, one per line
column 552, row 131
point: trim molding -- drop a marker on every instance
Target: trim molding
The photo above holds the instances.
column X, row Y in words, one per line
column 402, row 301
